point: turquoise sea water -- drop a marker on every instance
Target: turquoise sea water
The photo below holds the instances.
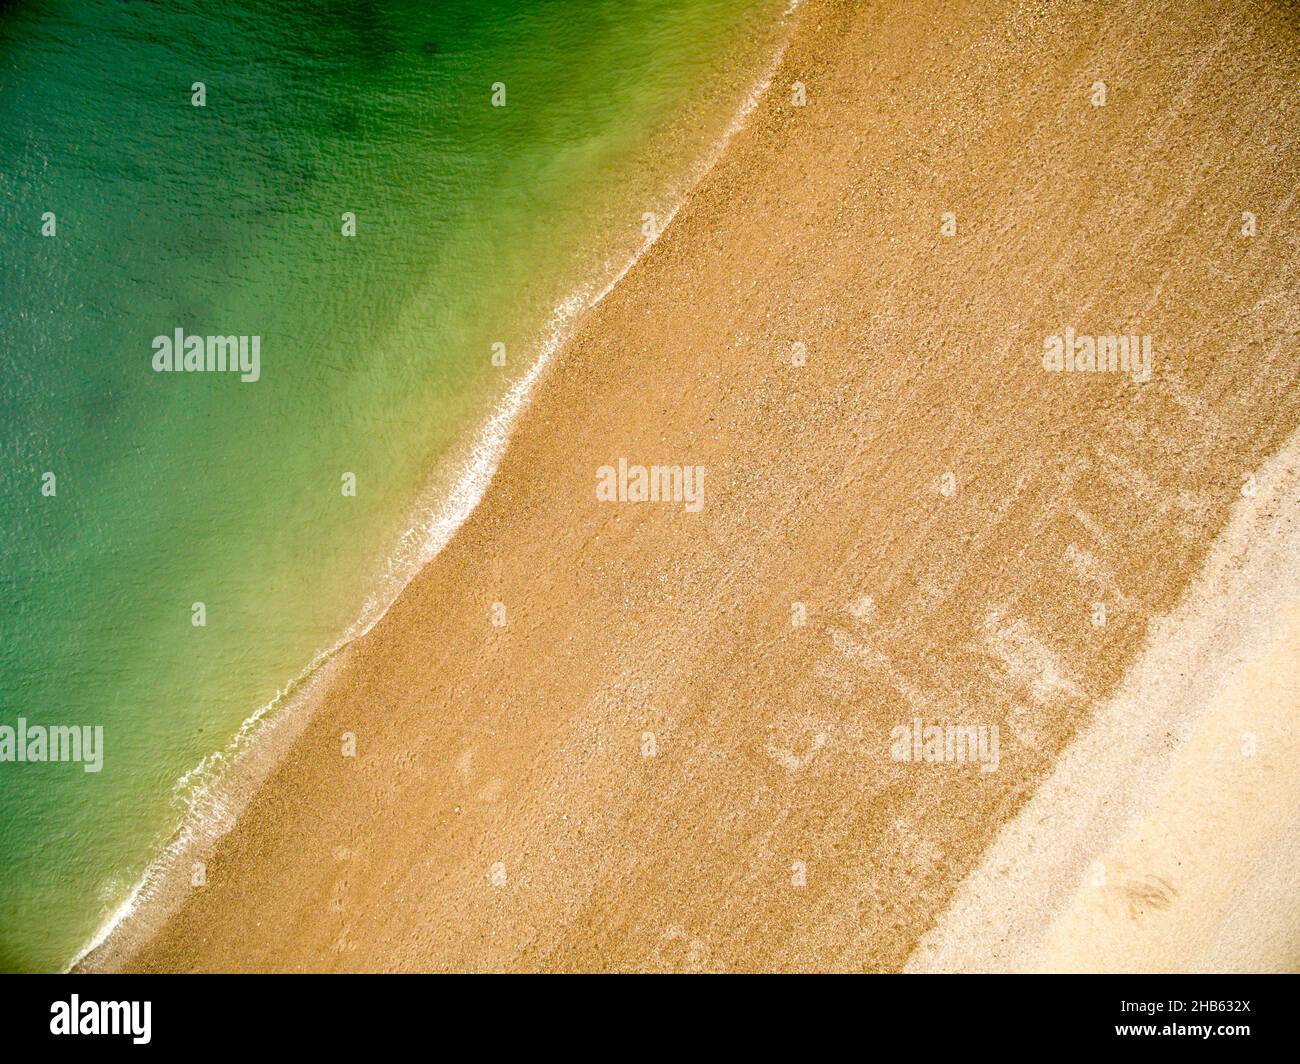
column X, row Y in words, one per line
column 171, row 489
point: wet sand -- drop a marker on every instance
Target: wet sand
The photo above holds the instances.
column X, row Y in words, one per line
column 1167, row 837
column 651, row 765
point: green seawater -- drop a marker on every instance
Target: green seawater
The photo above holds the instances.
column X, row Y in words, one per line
column 170, row 489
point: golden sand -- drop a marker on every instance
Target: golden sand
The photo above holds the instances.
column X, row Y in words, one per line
column 1167, row 837
column 649, row 766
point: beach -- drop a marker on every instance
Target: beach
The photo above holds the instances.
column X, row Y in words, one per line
column 378, row 255
column 601, row 734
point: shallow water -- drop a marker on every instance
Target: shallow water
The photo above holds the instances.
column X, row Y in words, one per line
column 170, row 489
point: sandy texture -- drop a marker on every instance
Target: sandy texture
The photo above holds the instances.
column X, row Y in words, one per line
column 1168, row 836
column 946, row 512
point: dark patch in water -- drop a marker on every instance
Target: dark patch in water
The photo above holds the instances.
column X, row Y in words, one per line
column 346, row 122
column 369, row 38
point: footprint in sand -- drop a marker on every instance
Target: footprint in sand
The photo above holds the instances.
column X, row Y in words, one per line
column 339, row 893
column 1150, row 893
column 791, row 750
column 679, row 952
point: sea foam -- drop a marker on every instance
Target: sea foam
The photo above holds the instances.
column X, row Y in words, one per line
column 213, row 793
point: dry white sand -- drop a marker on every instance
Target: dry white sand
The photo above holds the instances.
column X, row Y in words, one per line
column 1168, row 837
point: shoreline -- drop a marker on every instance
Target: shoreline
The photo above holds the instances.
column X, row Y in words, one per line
column 647, row 764
column 263, row 737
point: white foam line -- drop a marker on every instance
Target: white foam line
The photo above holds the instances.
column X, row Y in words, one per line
column 208, row 816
